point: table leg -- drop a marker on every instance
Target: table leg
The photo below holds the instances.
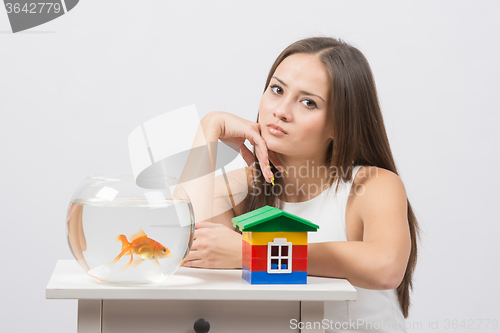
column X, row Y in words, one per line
column 312, row 314
column 89, row 315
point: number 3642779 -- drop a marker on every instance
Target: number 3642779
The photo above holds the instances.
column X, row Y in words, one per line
column 33, row 7
column 471, row 324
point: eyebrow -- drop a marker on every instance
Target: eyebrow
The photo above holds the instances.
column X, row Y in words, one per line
column 301, row 92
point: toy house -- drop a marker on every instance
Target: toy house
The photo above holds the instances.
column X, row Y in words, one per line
column 274, row 246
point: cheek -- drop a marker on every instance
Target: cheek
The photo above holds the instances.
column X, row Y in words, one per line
column 313, row 130
column 262, row 106
column 266, row 103
column 310, row 126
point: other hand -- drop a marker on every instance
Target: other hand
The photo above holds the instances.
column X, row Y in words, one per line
column 214, row 246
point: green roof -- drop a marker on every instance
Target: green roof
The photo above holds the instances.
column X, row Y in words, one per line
column 271, row 219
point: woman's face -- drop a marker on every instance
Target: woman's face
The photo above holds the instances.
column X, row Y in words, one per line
column 296, row 103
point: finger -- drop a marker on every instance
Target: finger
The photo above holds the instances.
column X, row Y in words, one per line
column 253, row 135
column 247, row 155
column 192, row 263
column 262, row 155
column 192, row 255
column 275, row 161
column 195, row 236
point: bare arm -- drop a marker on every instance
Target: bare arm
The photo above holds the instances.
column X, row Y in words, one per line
column 202, row 160
column 216, row 243
column 379, row 261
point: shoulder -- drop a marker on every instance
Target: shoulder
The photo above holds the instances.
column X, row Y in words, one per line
column 377, row 178
column 376, row 189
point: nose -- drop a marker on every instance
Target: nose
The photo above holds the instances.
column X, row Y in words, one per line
column 283, row 111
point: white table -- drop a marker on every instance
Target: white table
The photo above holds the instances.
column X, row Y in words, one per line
column 222, row 297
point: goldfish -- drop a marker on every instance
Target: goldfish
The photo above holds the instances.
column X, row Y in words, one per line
column 143, row 247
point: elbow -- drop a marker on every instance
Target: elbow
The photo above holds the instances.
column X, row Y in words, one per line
column 390, row 277
column 389, row 282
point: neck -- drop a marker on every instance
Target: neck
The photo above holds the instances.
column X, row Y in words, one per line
column 307, row 177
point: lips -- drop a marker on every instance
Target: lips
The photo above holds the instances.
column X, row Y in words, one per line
column 275, row 129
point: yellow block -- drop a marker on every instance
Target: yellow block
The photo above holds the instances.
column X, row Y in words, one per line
column 262, row 238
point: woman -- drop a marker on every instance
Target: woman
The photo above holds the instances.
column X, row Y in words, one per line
column 321, row 152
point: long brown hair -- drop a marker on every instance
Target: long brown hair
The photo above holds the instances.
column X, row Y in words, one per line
column 359, row 136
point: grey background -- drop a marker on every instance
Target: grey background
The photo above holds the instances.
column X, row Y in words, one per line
column 73, row 89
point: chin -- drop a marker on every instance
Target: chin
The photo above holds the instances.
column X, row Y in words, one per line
column 278, row 148
column 276, row 144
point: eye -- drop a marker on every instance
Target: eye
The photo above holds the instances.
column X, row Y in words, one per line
column 164, row 250
column 310, row 104
column 276, row 89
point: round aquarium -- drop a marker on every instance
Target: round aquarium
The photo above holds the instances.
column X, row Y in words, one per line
column 121, row 231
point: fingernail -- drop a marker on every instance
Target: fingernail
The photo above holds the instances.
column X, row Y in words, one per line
column 268, row 165
column 286, row 172
column 272, row 181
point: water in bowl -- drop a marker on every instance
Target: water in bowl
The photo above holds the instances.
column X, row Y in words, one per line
column 95, row 226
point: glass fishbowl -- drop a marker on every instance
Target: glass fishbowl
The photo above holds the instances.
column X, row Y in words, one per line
column 128, row 232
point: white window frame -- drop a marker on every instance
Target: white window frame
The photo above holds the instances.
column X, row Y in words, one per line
column 279, row 242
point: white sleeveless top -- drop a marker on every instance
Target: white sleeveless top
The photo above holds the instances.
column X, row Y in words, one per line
column 374, row 310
